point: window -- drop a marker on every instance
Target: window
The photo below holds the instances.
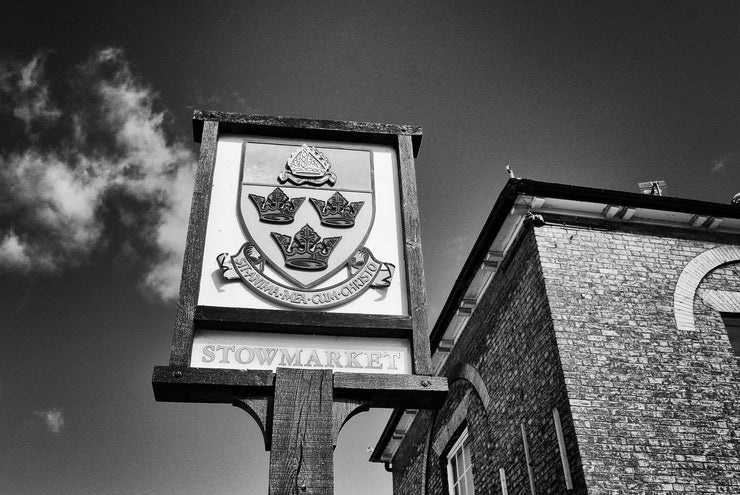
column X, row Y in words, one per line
column 459, row 467
column 732, row 324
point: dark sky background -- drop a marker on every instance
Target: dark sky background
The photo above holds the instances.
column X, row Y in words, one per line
column 96, row 163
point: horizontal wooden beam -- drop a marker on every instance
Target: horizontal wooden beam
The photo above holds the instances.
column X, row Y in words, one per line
column 339, row 130
column 184, row 384
column 302, row 322
column 176, row 384
column 418, row 392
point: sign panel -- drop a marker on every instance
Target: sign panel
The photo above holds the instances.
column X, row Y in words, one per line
column 304, row 225
column 266, row 351
column 303, row 250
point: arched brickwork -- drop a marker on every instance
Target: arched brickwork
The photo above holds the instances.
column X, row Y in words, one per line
column 465, row 371
column 691, row 277
column 462, row 371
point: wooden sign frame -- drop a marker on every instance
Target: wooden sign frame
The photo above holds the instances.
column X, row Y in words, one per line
column 179, row 382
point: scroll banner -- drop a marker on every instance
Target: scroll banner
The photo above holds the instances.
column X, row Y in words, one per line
column 249, row 265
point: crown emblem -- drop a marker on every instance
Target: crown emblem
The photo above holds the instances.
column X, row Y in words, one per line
column 307, row 165
column 306, row 250
column 337, row 211
column 277, row 207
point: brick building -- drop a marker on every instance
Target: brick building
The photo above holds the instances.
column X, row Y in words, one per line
column 588, row 343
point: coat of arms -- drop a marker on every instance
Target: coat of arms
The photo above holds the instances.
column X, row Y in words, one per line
column 306, row 220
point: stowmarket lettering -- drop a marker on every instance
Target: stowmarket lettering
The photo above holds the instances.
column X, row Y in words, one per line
column 248, row 265
column 254, row 357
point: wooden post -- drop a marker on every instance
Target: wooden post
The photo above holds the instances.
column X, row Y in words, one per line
column 300, row 411
column 302, row 454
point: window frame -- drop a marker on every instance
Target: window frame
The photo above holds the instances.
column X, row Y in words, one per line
column 732, row 321
column 452, row 453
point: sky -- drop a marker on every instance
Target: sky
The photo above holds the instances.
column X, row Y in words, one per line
column 97, row 163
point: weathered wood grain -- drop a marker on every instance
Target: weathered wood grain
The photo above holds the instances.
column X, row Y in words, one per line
column 332, row 130
column 185, row 384
column 182, row 339
column 302, row 457
column 408, row 391
column 414, row 257
column 312, row 322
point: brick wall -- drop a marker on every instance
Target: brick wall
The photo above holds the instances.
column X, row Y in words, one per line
column 725, row 277
column 581, row 318
column 655, row 409
column 510, row 340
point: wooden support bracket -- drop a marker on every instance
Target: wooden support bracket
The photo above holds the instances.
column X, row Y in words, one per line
column 300, row 425
column 343, row 410
column 299, row 411
column 260, row 408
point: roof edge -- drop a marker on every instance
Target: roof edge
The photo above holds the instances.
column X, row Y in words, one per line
column 390, row 427
column 516, row 187
column 493, row 223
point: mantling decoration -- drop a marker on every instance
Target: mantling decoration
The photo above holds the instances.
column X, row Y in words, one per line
column 308, row 165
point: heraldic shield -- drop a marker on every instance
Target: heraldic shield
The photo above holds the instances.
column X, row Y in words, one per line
column 306, row 213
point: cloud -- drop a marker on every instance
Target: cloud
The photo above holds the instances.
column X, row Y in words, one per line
column 102, row 148
column 30, row 100
column 13, row 251
column 53, row 419
column 722, row 163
